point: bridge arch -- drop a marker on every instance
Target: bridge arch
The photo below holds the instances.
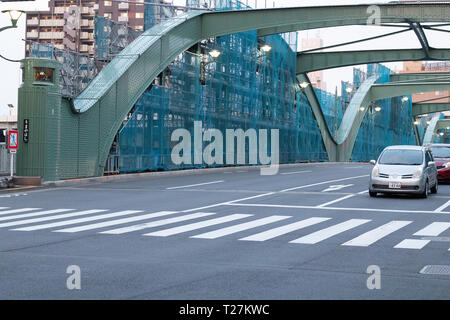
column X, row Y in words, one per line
column 112, row 94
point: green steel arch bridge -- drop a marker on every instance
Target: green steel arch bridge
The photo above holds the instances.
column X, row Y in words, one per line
column 74, row 136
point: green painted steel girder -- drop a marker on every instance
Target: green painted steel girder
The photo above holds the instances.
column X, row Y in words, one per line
column 327, row 138
column 98, row 112
column 428, row 76
column 293, row 19
column 426, row 108
column 442, row 124
column 308, row 62
column 390, row 90
column 432, row 127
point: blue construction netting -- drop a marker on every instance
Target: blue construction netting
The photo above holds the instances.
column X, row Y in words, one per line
column 243, row 91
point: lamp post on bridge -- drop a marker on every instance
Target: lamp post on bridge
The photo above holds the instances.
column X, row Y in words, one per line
column 14, row 15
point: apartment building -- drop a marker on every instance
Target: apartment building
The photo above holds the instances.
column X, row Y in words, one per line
column 69, row 24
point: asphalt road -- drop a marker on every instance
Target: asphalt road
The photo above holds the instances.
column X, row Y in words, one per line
column 309, row 232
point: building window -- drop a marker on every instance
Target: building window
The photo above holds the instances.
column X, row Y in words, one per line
column 43, row 74
column 139, row 15
column 107, row 15
column 124, row 14
column 107, row 3
column 139, row 28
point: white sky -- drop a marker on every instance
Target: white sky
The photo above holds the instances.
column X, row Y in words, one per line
column 13, row 47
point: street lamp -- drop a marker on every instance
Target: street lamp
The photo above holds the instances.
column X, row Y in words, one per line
column 349, row 90
column 265, row 51
column 214, row 54
column 304, row 85
column 14, row 15
column 405, row 99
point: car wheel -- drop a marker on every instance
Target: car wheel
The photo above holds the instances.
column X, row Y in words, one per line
column 435, row 188
column 426, row 190
column 372, row 194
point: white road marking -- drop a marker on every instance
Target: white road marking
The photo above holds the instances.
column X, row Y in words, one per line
column 324, row 182
column 328, row 208
column 372, row 236
column 228, row 202
column 240, row 227
column 362, row 192
column 67, row 215
column 2, row 208
column 116, row 222
column 75, row 221
column 157, row 223
column 336, row 200
column 433, row 229
column 329, row 232
column 194, row 185
column 34, row 214
column 295, row 172
column 276, row 232
column 441, row 208
column 18, row 210
column 197, row 225
column 337, row 187
column 412, row 244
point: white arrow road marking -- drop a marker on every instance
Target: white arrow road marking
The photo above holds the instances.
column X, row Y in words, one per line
column 337, row 187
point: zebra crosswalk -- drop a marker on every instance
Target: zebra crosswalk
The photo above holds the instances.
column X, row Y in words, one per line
column 237, row 226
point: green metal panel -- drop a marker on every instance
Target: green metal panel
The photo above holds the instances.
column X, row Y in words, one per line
column 308, row 62
column 432, row 76
column 40, row 103
column 425, row 108
column 442, row 124
column 432, row 127
column 389, row 90
column 122, row 82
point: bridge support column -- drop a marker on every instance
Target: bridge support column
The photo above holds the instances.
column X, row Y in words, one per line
column 39, row 105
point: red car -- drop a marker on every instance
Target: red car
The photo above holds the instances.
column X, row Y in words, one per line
column 441, row 155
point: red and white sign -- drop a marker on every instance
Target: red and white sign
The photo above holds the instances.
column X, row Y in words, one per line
column 13, row 140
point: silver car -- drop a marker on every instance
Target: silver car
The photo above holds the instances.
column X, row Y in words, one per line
column 404, row 169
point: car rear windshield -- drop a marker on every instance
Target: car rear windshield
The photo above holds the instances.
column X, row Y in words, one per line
column 440, row 152
column 401, row 157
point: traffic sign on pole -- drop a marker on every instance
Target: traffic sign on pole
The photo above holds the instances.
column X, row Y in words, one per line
column 13, row 141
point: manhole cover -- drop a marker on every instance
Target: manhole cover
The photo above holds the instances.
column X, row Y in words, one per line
column 436, row 269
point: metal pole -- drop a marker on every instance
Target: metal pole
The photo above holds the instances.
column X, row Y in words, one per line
column 12, row 165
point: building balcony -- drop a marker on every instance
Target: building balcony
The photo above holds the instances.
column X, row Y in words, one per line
column 123, row 19
column 60, row 10
column 51, row 35
column 84, row 35
column 32, row 22
column 123, row 6
column 32, row 34
column 84, row 48
column 52, row 23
